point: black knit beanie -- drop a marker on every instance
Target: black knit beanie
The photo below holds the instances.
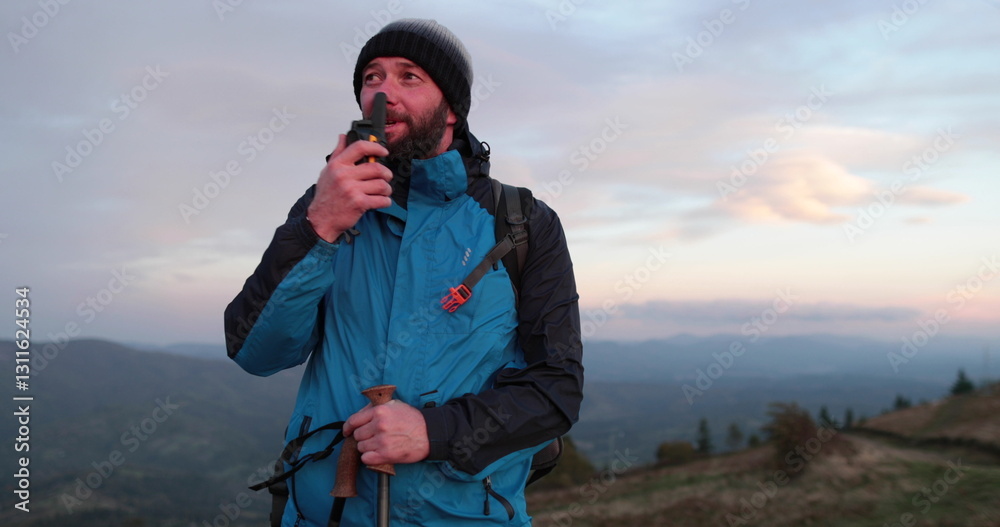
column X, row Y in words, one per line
column 432, row 47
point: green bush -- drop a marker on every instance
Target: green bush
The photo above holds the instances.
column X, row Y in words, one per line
column 790, row 428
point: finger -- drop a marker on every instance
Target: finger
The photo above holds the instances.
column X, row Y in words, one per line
column 359, row 419
column 339, row 149
column 375, row 187
column 374, row 458
column 370, row 148
column 360, row 150
column 369, row 195
column 371, row 171
column 377, row 202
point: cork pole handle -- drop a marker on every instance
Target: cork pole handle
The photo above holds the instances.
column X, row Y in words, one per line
column 350, row 458
column 380, row 395
column 346, row 485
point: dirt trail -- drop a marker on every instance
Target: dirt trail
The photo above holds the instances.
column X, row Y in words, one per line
column 868, row 446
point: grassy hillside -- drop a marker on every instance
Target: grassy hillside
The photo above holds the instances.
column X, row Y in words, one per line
column 970, row 417
column 641, row 416
column 842, row 478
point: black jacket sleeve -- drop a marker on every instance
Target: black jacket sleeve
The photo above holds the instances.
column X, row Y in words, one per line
column 540, row 402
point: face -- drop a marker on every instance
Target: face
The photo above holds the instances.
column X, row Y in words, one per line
column 419, row 122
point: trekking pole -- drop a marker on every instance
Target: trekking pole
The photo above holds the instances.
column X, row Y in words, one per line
column 381, row 395
column 350, row 460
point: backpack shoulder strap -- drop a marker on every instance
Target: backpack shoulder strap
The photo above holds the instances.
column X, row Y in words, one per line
column 512, row 237
column 515, row 202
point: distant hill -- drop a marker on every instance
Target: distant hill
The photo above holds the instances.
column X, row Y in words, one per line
column 95, row 398
column 188, row 349
column 226, row 426
column 844, row 480
column 641, row 416
column 679, row 358
column 640, row 394
column 971, row 418
column 635, row 393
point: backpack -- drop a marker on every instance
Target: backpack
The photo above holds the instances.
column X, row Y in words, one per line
column 512, row 250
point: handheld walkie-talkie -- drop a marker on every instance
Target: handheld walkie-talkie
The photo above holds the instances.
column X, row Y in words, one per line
column 371, row 129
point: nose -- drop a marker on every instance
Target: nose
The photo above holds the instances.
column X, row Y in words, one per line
column 390, row 88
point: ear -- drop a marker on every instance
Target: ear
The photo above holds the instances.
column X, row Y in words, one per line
column 452, row 118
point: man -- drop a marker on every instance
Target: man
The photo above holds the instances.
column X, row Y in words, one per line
column 353, row 282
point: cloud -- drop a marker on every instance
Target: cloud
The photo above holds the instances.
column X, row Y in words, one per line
column 810, row 188
column 930, row 196
column 552, row 90
column 734, row 312
column 800, row 188
column 662, row 319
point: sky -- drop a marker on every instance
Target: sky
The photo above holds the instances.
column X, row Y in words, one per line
column 729, row 166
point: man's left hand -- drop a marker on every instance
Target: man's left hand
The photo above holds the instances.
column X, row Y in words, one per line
column 394, row 432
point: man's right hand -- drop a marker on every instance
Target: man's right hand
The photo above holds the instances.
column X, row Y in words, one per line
column 345, row 191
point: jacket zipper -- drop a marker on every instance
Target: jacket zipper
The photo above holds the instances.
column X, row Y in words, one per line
column 488, row 485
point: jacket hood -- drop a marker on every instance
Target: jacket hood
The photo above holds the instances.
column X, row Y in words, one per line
column 475, row 154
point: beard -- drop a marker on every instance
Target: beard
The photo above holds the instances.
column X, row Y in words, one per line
column 423, row 135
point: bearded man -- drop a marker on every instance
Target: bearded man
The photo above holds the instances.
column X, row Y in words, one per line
column 353, row 282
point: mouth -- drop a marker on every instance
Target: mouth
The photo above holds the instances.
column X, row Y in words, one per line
column 392, row 125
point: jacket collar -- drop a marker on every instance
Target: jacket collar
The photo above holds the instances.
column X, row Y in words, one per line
column 444, row 177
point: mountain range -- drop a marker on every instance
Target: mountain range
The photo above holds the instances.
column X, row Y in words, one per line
column 172, row 436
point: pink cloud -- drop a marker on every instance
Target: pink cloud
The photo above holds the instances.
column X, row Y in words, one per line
column 812, row 188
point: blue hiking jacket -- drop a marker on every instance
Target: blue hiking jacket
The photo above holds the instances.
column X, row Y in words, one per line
column 495, row 380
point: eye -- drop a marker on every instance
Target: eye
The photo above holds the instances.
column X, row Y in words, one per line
column 371, row 78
